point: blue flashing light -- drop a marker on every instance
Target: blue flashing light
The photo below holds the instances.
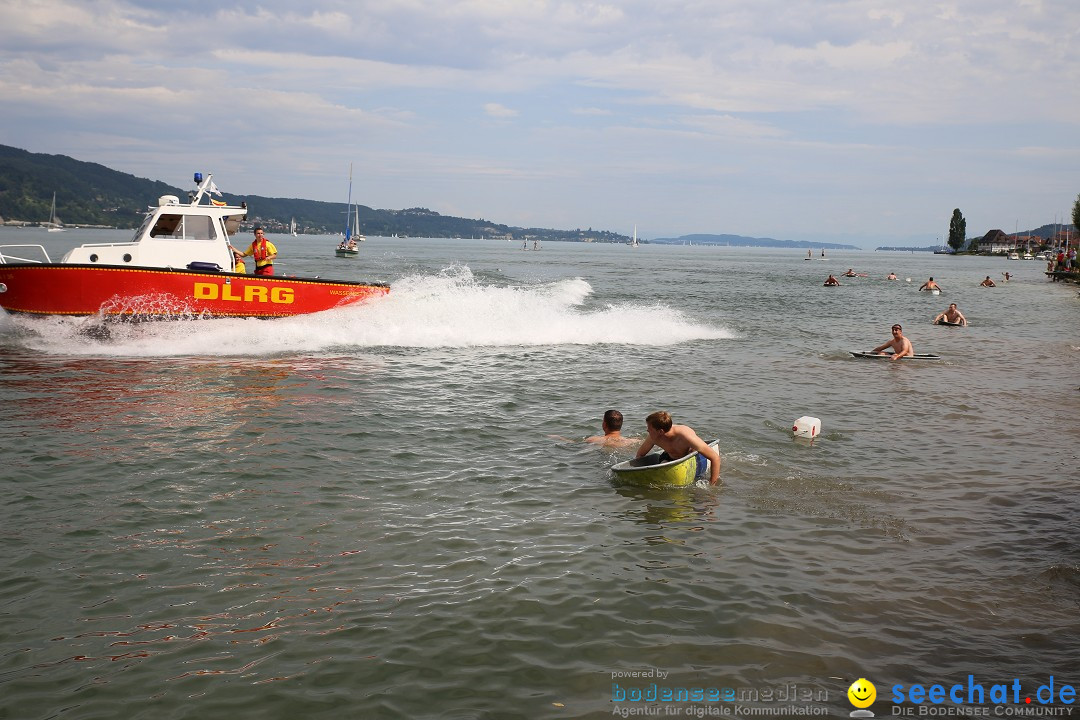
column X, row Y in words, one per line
column 198, row 178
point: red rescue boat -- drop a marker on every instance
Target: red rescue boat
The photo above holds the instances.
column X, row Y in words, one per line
column 178, row 265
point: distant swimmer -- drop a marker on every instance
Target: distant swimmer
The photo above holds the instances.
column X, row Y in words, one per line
column 892, row 276
column 988, row 282
column 830, row 281
column 952, row 315
column 1007, row 276
column 930, row 285
column 677, row 441
column 612, row 426
column 900, row 345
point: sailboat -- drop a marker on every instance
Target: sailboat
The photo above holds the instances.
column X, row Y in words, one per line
column 633, row 242
column 357, row 235
column 348, row 247
column 54, row 225
column 292, row 227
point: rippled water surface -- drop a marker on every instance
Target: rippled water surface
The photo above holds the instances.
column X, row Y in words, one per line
column 374, row 512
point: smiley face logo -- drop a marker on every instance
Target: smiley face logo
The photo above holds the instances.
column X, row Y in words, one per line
column 862, row 693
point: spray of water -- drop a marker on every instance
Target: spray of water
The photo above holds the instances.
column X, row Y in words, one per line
column 447, row 310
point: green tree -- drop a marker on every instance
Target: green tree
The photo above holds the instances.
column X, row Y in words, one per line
column 957, row 230
column 1076, row 213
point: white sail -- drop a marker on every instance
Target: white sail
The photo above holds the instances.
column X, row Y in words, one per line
column 357, row 235
column 54, row 225
column 348, row 207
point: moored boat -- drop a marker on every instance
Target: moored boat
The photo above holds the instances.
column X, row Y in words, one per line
column 649, row 471
column 177, row 265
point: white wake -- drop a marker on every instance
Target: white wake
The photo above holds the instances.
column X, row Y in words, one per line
column 446, row 310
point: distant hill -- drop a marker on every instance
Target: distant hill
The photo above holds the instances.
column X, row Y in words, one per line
column 89, row 194
column 1048, row 231
column 86, row 193
column 743, row 241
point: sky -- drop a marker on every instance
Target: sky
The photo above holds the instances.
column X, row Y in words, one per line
column 856, row 121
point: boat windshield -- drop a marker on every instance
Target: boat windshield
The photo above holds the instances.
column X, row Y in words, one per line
column 184, row 227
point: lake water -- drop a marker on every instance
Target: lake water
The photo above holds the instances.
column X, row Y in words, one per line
column 367, row 513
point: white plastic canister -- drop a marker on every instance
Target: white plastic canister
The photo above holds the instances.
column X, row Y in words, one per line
column 807, row 426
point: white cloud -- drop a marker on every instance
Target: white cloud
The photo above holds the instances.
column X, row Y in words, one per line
column 496, row 110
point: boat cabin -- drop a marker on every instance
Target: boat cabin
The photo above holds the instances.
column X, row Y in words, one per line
column 173, row 236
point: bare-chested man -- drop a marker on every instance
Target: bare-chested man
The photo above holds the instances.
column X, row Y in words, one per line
column 930, row 285
column 612, row 427
column 677, row 441
column 900, row 345
column 952, row 315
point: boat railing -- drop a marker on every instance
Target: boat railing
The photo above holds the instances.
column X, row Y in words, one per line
column 7, row 258
column 101, row 245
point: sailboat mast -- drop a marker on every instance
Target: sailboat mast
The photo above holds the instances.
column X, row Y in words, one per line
column 348, row 206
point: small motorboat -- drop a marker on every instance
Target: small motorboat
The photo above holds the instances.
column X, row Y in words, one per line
column 648, row 471
column 178, row 265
